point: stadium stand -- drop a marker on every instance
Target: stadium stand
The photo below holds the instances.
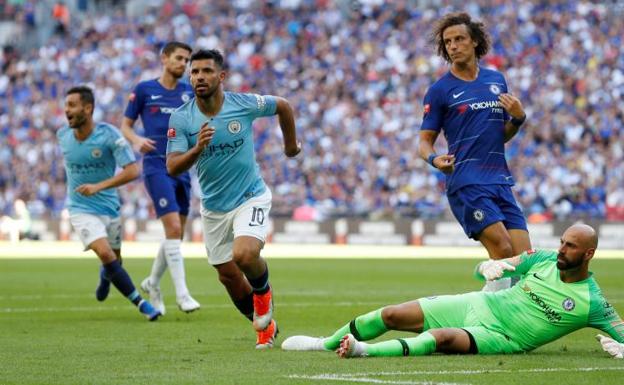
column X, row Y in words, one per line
column 356, row 72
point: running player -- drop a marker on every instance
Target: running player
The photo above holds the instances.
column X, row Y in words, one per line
column 214, row 130
column 555, row 296
column 91, row 152
column 154, row 100
column 478, row 115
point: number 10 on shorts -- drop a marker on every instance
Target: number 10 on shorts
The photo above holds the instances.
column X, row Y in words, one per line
column 257, row 217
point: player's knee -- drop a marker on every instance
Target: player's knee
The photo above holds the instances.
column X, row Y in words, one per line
column 106, row 256
column 173, row 231
column 443, row 338
column 393, row 317
column 502, row 248
column 245, row 256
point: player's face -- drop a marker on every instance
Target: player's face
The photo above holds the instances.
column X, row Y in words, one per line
column 458, row 43
column 206, row 77
column 76, row 112
column 176, row 62
column 572, row 251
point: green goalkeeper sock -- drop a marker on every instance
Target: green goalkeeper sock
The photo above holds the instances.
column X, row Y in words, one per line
column 422, row 345
column 364, row 328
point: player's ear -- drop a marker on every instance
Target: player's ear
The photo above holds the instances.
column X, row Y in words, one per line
column 589, row 254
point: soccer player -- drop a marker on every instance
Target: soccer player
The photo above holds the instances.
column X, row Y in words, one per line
column 478, row 115
column 214, row 130
column 91, row 152
column 555, row 296
column 154, row 100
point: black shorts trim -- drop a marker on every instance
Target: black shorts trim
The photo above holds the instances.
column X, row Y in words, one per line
column 473, row 345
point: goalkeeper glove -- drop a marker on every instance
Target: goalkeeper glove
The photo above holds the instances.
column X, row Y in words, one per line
column 611, row 346
column 493, row 269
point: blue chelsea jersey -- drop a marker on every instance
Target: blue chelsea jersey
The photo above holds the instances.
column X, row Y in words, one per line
column 473, row 121
column 155, row 104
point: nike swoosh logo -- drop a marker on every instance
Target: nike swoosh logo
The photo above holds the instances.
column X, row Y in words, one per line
column 254, row 224
column 193, row 134
column 154, row 97
column 455, row 96
column 536, row 276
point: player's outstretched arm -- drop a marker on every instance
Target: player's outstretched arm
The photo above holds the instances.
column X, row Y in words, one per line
column 140, row 143
column 284, row 111
column 129, row 173
column 494, row 269
column 179, row 162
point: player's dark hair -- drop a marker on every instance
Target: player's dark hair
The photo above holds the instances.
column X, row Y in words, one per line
column 86, row 94
column 204, row 54
column 173, row 45
column 476, row 29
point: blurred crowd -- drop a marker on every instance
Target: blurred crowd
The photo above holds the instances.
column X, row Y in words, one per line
column 356, row 73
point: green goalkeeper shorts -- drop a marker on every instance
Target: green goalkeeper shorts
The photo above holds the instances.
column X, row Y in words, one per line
column 455, row 311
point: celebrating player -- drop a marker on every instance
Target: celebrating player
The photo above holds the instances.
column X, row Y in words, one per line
column 91, row 152
column 555, row 296
column 154, row 100
column 215, row 130
column 473, row 106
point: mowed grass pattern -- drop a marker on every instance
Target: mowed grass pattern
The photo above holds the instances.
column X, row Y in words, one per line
column 53, row 331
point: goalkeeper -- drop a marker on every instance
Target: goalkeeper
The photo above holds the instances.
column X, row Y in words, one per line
column 555, row 296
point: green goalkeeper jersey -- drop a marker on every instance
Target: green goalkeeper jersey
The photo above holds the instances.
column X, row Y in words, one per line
column 541, row 308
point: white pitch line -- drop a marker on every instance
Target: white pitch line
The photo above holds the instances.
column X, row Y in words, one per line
column 330, row 377
column 477, row 371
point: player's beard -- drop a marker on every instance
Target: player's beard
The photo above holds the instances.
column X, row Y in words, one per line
column 78, row 120
column 207, row 93
column 564, row 263
column 177, row 74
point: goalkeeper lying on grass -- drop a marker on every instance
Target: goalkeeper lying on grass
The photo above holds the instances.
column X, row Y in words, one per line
column 555, row 296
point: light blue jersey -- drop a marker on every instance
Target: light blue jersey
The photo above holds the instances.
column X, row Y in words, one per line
column 227, row 169
column 91, row 161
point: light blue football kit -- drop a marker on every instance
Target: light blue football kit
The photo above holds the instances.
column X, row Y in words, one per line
column 91, row 161
column 227, row 169
column 97, row 216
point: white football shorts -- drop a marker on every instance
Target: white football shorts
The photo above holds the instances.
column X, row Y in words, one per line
column 249, row 219
column 91, row 227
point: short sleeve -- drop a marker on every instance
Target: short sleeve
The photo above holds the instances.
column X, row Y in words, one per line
column 135, row 101
column 533, row 257
column 260, row 105
column 122, row 152
column 177, row 139
column 434, row 109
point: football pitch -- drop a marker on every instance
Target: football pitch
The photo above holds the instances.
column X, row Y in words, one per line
column 53, row 331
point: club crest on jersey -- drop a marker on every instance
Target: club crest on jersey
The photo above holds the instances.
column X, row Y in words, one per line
column 162, row 202
column 478, row 215
column 234, row 126
column 185, row 98
column 96, row 153
column 171, row 132
column 85, row 233
column 568, row 304
column 495, row 89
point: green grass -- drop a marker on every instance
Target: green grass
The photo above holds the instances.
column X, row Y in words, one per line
column 53, row 331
